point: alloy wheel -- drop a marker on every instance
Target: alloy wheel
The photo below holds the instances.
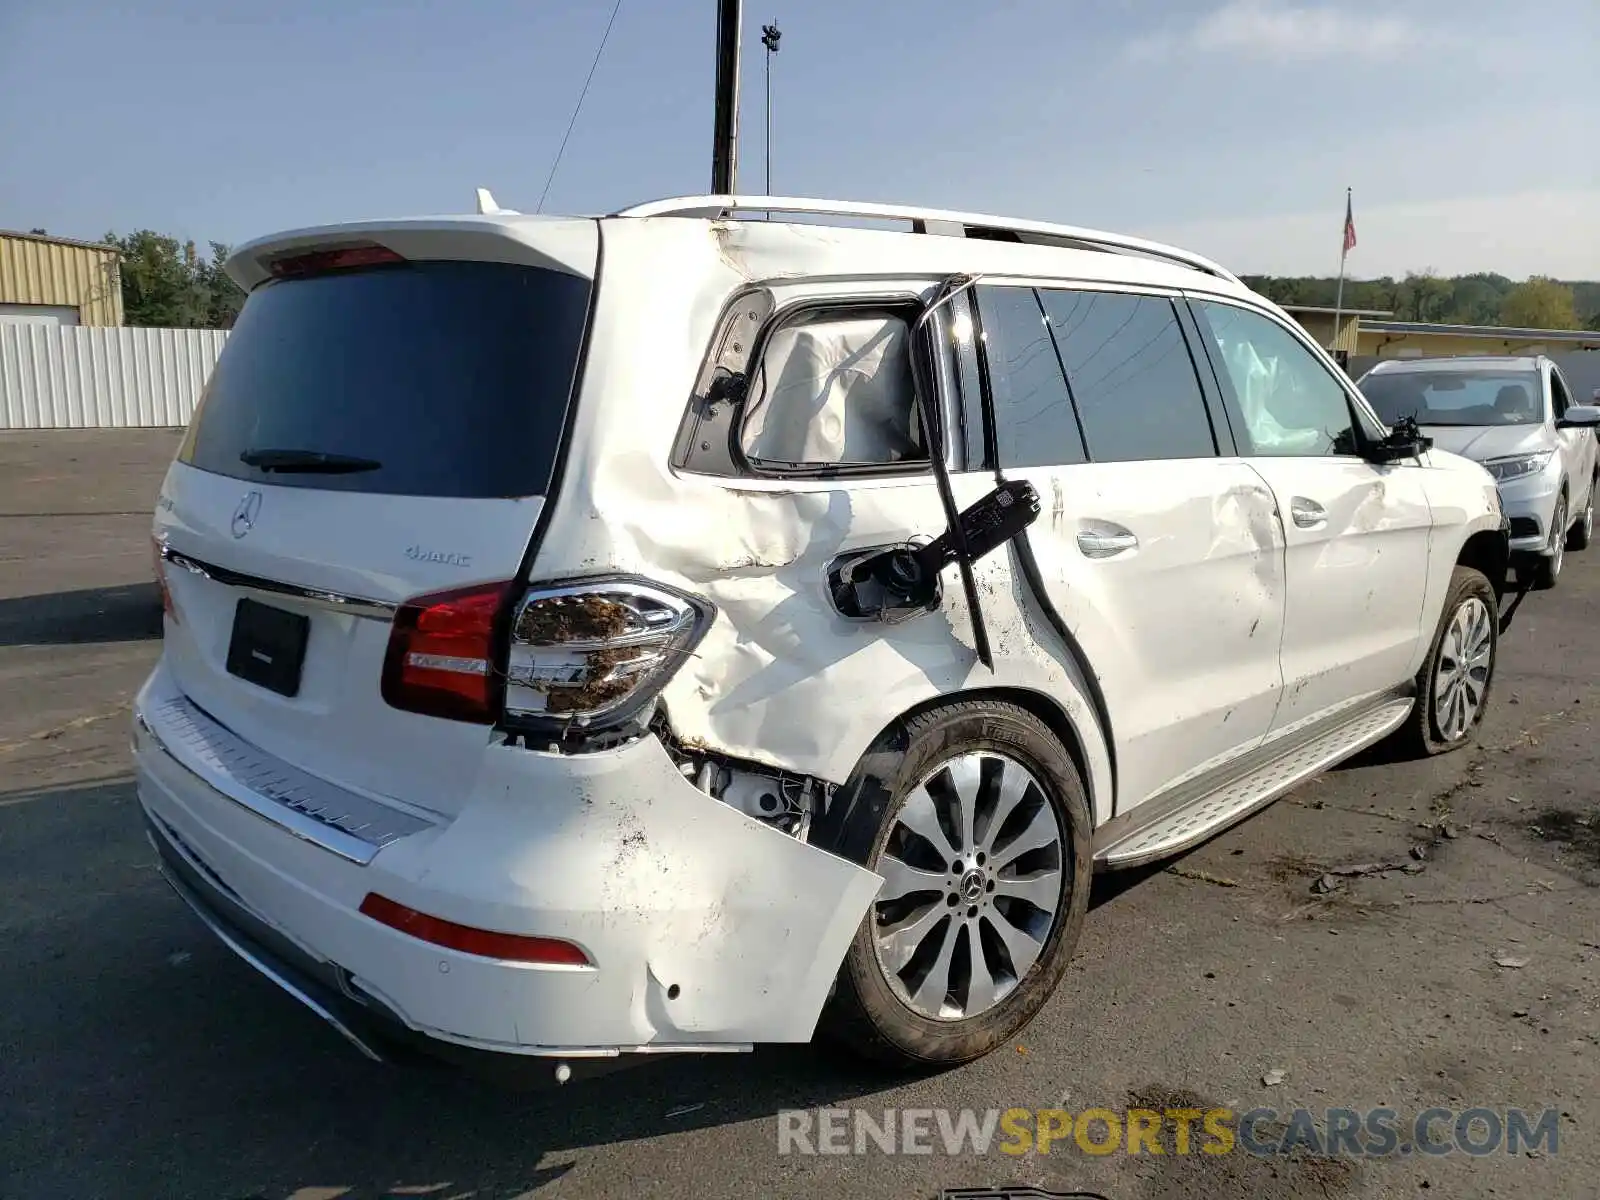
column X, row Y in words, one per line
column 1461, row 678
column 972, row 871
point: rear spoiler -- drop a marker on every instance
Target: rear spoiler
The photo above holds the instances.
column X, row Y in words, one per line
column 567, row 244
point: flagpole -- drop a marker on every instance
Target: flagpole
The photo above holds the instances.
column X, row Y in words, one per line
column 1344, row 253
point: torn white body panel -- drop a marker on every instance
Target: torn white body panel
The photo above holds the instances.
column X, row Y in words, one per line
column 703, row 926
column 770, row 680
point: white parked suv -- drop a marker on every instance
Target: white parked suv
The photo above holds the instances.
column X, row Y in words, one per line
column 675, row 631
column 1515, row 416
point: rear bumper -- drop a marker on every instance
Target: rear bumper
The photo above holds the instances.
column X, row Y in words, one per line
column 320, row 986
column 707, row 930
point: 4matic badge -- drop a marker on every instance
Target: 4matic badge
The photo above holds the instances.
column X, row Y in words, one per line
column 443, row 557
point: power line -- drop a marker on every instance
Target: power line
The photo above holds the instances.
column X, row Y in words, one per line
column 579, row 106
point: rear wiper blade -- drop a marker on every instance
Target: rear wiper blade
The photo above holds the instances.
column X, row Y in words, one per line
column 307, row 461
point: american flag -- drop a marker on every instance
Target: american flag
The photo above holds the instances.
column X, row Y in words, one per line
column 1349, row 226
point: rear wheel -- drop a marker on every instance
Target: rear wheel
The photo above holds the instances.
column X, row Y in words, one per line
column 1453, row 684
column 978, row 822
column 1547, row 567
column 1583, row 528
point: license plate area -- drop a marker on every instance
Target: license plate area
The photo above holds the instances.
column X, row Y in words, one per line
column 268, row 646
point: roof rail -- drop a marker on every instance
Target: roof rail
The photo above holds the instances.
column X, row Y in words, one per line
column 968, row 224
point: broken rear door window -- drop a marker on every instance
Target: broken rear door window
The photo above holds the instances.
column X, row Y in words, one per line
column 833, row 389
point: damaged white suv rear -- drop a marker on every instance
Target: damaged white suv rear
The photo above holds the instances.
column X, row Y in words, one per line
column 674, row 631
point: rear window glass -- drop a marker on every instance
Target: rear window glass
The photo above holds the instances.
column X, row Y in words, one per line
column 452, row 377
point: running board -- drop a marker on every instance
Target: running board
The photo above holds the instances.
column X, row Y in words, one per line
column 1172, row 828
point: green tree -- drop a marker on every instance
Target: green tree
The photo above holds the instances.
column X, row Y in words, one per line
column 1540, row 303
column 1475, row 299
column 169, row 284
column 1423, row 297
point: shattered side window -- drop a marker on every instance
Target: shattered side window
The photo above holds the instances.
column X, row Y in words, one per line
column 834, row 389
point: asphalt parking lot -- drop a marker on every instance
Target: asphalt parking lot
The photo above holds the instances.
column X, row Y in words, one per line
column 1408, row 935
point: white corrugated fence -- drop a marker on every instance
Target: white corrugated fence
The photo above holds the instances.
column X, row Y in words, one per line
column 78, row 377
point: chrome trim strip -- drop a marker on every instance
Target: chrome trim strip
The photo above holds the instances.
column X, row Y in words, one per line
column 339, row 602
column 199, row 908
column 312, row 809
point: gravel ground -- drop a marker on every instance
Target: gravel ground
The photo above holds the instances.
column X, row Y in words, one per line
column 138, row 1058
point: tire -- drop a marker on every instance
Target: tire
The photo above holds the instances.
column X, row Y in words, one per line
column 1547, row 567
column 1424, row 732
column 1582, row 532
column 884, row 1005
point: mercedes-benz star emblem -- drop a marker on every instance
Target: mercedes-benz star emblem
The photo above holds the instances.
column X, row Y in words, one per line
column 244, row 517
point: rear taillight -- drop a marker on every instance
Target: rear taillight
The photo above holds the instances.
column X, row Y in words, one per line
column 440, row 653
column 580, row 655
column 158, row 557
column 597, row 651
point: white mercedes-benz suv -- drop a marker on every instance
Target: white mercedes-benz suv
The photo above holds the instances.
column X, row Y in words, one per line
column 675, row 631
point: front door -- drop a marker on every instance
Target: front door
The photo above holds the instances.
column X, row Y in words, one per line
column 1358, row 534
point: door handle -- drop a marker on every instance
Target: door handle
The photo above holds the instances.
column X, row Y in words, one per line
column 1307, row 514
column 1103, row 543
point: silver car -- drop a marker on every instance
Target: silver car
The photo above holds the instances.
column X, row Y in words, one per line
column 1516, row 416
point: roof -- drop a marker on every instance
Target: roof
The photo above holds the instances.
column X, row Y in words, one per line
column 1319, row 309
column 759, row 249
column 1500, row 332
column 1459, row 362
column 58, row 241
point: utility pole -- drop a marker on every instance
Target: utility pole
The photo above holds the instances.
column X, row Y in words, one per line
column 769, row 39
column 725, row 147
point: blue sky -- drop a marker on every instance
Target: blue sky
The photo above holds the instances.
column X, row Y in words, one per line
column 1469, row 129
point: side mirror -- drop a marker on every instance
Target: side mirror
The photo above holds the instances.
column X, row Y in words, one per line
column 1405, row 441
column 1579, row 416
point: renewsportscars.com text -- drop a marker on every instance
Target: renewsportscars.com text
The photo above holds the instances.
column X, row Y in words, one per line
column 1338, row 1132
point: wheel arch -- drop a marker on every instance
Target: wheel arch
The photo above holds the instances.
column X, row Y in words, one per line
column 1487, row 551
column 1046, row 708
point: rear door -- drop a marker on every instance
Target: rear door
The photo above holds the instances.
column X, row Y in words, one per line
column 1160, row 550
column 1359, row 534
column 381, row 424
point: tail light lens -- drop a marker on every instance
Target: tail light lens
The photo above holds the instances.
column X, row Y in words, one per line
column 440, row 650
column 158, row 559
column 486, row 943
column 598, row 650
column 576, row 655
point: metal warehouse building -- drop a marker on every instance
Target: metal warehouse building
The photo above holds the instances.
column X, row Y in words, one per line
column 57, row 281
